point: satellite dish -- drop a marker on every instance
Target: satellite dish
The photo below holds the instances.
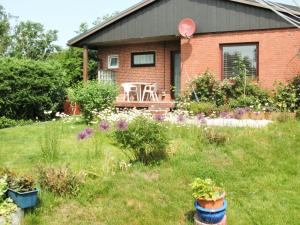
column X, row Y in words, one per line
column 187, row 27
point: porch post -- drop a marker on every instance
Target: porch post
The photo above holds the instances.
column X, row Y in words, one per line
column 85, row 64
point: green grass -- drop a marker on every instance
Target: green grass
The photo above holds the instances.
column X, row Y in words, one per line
column 259, row 169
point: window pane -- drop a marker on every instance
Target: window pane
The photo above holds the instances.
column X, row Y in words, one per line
column 231, row 56
column 113, row 61
column 143, row 59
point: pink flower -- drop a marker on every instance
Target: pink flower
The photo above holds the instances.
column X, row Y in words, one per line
column 159, row 117
column 122, row 125
column 104, row 126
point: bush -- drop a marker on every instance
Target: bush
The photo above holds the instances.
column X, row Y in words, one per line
column 146, row 139
column 287, row 97
column 6, row 123
column 95, row 96
column 242, row 102
column 28, row 88
column 61, row 181
column 208, row 89
column 202, row 107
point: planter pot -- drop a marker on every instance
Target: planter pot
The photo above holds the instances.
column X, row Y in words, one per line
column 197, row 221
column 212, row 204
column 211, row 216
column 23, row 200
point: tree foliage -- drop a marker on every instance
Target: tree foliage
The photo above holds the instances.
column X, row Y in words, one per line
column 4, row 31
column 30, row 40
column 29, row 87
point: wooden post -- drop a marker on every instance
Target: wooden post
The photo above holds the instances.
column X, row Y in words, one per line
column 85, row 64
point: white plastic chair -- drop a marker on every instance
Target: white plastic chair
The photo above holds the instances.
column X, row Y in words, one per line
column 151, row 91
column 129, row 88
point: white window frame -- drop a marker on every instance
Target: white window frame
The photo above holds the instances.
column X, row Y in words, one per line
column 109, row 58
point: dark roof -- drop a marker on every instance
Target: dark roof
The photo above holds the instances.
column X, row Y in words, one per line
column 78, row 40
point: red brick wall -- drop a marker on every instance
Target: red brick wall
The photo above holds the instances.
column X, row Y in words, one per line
column 160, row 74
column 279, row 54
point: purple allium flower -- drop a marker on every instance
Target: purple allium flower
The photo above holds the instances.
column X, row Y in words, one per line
column 224, row 115
column 89, row 131
column 85, row 134
column 82, row 135
column 247, row 109
column 122, row 125
column 180, row 118
column 239, row 112
column 159, row 117
column 104, row 126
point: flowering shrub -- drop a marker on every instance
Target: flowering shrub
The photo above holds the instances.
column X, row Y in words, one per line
column 208, row 89
column 287, row 97
column 144, row 137
column 95, row 96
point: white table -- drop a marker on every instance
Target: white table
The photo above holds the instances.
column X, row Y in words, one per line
column 139, row 86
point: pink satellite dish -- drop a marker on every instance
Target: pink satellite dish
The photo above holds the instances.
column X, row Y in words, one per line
column 187, row 27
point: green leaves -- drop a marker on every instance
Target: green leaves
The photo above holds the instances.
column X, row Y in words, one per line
column 28, row 87
column 30, row 40
column 206, row 189
column 145, row 138
column 95, row 96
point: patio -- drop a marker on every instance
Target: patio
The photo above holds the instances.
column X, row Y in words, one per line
column 139, row 94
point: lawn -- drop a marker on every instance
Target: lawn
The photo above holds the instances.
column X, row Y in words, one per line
column 259, row 169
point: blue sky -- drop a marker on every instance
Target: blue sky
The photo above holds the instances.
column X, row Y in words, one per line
column 66, row 15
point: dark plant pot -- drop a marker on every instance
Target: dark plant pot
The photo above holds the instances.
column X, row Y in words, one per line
column 24, row 200
column 211, row 216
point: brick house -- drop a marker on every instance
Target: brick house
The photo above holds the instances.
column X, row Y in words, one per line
column 142, row 44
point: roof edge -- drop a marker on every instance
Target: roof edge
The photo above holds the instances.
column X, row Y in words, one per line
column 136, row 7
column 110, row 21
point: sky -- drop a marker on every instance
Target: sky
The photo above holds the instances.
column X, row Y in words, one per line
column 66, row 15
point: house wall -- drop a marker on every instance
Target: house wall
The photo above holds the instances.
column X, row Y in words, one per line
column 160, row 74
column 279, row 54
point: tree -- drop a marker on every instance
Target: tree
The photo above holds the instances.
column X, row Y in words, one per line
column 105, row 18
column 83, row 27
column 30, row 40
column 4, row 31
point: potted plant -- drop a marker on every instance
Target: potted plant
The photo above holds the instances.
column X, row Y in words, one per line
column 7, row 207
column 22, row 191
column 207, row 194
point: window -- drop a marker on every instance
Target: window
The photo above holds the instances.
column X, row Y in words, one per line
column 113, row 62
column 231, row 54
column 142, row 59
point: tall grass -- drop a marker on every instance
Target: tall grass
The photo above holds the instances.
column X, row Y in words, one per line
column 50, row 141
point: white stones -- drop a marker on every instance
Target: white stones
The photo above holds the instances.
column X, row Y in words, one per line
column 15, row 218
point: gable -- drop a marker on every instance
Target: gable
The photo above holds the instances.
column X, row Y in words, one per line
column 160, row 19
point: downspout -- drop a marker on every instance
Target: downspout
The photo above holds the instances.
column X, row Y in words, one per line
column 164, row 66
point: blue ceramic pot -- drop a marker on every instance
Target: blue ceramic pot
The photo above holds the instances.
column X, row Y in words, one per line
column 23, row 200
column 211, row 215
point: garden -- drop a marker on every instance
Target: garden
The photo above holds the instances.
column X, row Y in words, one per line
column 236, row 156
column 229, row 151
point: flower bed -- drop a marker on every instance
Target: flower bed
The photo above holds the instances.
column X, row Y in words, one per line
column 180, row 117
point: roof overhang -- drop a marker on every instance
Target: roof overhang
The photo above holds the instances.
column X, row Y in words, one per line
column 74, row 41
